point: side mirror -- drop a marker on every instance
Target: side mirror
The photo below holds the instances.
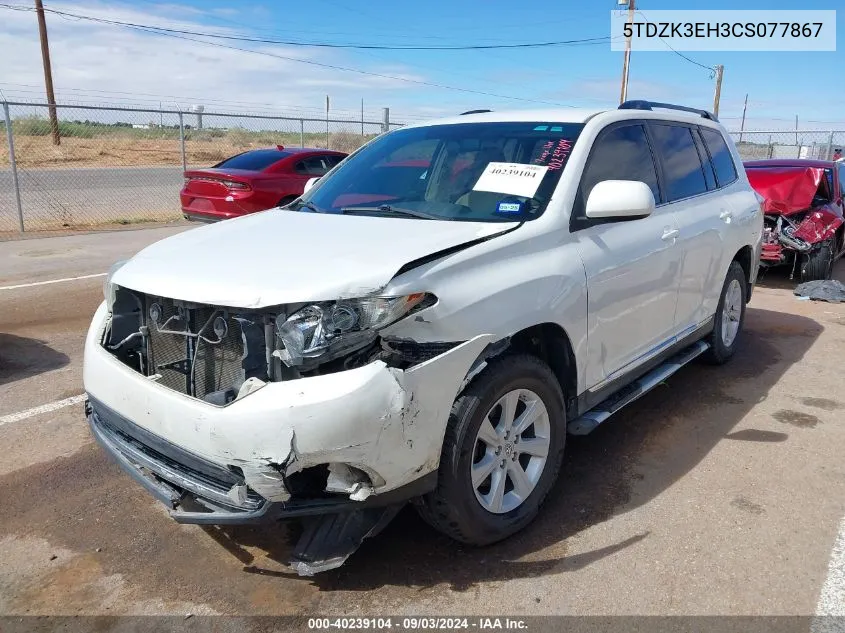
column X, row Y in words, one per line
column 620, row 199
column 310, row 183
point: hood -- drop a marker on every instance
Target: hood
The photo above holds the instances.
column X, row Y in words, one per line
column 786, row 189
column 278, row 257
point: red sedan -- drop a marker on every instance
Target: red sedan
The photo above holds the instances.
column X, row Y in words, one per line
column 253, row 181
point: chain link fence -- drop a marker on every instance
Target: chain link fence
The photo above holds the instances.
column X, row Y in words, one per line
column 821, row 145
column 122, row 166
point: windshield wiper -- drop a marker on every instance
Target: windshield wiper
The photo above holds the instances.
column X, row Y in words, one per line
column 310, row 206
column 386, row 208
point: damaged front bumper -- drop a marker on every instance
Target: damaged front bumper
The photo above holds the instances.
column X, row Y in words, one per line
column 785, row 236
column 200, row 492
column 373, row 433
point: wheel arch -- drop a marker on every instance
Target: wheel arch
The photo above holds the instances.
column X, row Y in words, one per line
column 551, row 344
column 745, row 258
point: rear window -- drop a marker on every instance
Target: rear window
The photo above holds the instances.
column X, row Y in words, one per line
column 256, row 160
column 684, row 173
column 720, row 156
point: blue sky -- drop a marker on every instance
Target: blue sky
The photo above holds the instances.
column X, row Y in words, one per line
column 93, row 61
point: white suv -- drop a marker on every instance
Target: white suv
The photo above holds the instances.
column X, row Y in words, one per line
column 425, row 323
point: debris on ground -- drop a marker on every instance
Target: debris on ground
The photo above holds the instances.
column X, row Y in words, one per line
column 822, row 290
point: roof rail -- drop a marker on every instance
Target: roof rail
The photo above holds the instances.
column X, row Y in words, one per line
column 650, row 105
column 474, row 112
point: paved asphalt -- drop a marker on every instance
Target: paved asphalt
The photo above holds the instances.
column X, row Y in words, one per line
column 721, row 492
column 52, row 197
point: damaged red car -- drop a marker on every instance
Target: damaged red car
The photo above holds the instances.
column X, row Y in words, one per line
column 804, row 214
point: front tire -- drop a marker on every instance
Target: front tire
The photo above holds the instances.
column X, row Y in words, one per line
column 502, row 452
column 818, row 264
column 730, row 316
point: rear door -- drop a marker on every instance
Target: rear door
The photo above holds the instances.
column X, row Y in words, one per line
column 632, row 265
column 703, row 219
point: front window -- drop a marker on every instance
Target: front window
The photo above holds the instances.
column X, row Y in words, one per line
column 477, row 172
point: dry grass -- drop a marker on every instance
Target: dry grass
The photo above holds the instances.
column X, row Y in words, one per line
column 39, row 151
column 33, row 152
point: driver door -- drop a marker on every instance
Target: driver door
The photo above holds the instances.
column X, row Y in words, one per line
column 632, row 265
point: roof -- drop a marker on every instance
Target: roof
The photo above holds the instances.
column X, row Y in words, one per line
column 566, row 115
column 558, row 115
column 292, row 150
column 790, row 162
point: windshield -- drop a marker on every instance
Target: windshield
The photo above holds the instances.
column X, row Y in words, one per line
column 477, row 172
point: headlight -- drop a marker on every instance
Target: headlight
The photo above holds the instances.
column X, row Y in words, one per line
column 328, row 330
column 108, row 286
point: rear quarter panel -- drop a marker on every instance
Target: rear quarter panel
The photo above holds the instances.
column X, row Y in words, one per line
column 746, row 228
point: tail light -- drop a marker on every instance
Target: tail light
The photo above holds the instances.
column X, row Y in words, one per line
column 233, row 184
column 229, row 184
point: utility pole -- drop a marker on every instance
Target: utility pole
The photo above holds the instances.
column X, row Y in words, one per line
column 796, row 129
column 627, row 63
column 742, row 125
column 327, row 122
column 48, row 73
column 717, row 97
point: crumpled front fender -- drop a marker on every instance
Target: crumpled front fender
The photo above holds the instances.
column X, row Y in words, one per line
column 818, row 226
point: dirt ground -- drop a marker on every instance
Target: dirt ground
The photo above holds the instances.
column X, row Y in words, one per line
column 720, row 492
column 36, row 152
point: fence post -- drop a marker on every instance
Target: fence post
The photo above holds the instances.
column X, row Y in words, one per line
column 771, row 147
column 302, row 132
column 385, row 120
column 829, row 153
column 13, row 164
column 182, row 142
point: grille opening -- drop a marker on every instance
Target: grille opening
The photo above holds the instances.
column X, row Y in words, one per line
column 209, row 352
column 203, row 351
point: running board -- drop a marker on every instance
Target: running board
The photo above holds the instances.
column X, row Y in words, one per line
column 592, row 418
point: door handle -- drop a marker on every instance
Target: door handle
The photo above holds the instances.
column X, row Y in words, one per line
column 670, row 234
column 726, row 216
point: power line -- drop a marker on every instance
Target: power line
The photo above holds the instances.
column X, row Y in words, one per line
column 321, row 64
column 679, row 54
column 458, row 32
column 260, row 40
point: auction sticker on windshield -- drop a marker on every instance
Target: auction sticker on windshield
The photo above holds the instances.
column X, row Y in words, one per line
column 514, row 179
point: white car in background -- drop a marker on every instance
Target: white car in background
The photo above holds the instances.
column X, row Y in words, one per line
column 427, row 334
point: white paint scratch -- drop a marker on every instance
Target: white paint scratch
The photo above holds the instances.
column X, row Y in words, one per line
column 830, row 611
column 44, row 408
column 52, row 281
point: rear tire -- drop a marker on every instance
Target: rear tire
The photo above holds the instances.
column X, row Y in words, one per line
column 818, row 264
column 730, row 316
column 479, row 439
